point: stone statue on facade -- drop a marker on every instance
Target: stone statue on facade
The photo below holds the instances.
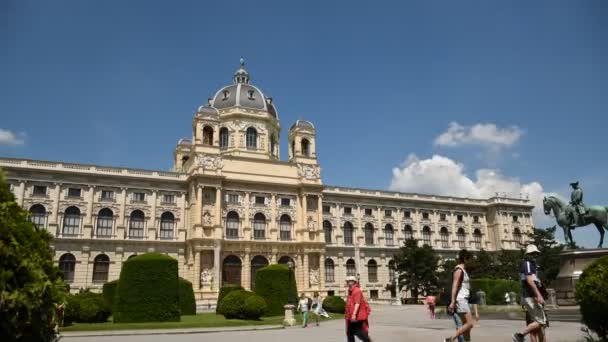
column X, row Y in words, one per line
column 576, row 214
column 207, row 221
column 206, row 277
column 311, row 224
column 314, row 277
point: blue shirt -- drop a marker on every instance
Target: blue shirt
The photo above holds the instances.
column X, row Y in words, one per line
column 528, row 268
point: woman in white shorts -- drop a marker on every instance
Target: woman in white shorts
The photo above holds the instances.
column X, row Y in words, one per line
column 459, row 303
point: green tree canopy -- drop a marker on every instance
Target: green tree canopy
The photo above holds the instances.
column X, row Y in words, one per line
column 417, row 267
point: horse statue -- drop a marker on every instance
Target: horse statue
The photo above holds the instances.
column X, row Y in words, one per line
column 596, row 215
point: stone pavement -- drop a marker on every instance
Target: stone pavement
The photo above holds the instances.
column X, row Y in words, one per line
column 388, row 323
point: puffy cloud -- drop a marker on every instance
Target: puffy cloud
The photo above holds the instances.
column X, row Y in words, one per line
column 483, row 134
column 9, row 138
column 443, row 176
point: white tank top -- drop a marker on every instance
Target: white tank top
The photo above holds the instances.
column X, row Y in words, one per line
column 465, row 287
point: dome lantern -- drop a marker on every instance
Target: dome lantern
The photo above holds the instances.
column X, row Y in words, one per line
column 241, row 75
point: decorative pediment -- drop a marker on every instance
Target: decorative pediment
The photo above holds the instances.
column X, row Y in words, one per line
column 310, row 172
column 209, row 162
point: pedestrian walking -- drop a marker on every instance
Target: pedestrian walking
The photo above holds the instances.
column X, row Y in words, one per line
column 431, row 302
column 459, row 300
column 356, row 313
column 317, row 308
column 303, row 306
column 532, row 298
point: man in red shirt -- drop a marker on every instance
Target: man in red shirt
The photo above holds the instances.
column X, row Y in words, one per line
column 356, row 312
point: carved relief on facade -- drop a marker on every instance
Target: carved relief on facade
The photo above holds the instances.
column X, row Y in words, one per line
column 207, row 219
column 314, row 277
column 310, row 172
column 311, row 224
column 209, row 162
column 82, row 206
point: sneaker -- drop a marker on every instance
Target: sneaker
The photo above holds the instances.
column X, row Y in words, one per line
column 518, row 337
column 447, row 339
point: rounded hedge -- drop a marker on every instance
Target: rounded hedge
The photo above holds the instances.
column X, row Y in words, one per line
column 233, row 305
column 592, row 296
column 148, row 290
column 255, row 307
column 86, row 307
column 334, row 304
column 224, row 291
column 273, row 284
column 187, row 303
column 109, row 292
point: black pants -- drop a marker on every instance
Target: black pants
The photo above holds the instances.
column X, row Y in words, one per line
column 356, row 329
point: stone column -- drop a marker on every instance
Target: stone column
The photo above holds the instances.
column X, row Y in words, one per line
column 322, row 272
column 339, row 226
column 183, row 220
column 304, row 221
column 153, row 228
column 273, row 218
column 358, row 228
column 197, row 268
column 246, row 271
column 21, row 193
column 319, row 232
column 306, row 272
column 90, row 196
column 123, row 203
column 247, row 234
column 298, row 215
column 218, row 206
column 55, row 217
column 217, row 264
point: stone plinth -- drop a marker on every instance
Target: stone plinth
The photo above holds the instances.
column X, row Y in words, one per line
column 289, row 320
column 572, row 263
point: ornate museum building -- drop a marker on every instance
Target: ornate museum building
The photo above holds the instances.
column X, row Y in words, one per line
column 230, row 206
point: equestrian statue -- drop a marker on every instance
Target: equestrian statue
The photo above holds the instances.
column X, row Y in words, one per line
column 576, row 214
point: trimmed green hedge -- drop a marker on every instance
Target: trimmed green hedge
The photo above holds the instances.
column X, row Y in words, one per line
column 272, row 283
column 109, row 292
column 148, row 290
column 495, row 289
column 86, row 307
column 243, row 304
column 187, row 303
column 334, row 304
column 592, row 296
column 224, row 291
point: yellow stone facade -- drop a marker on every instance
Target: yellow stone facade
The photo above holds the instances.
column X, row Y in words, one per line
column 230, row 206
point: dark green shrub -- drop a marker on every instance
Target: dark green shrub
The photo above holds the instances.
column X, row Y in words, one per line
column 224, row 291
column 109, row 292
column 495, row 289
column 234, row 303
column 254, row 308
column 592, row 296
column 147, row 290
column 30, row 282
column 86, row 307
column 187, row 304
column 334, row 304
column 273, row 284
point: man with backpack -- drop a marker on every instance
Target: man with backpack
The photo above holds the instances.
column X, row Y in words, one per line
column 356, row 313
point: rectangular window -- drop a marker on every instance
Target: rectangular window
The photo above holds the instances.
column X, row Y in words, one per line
column 442, row 217
column 233, row 198
column 139, row 196
column 388, row 213
column 515, row 218
column 39, row 190
column 373, row 294
column 74, row 192
column 475, row 219
column 425, row 216
column 326, row 209
column 331, row 293
column 168, row 199
column 368, row 212
column 285, row 202
column 389, row 237
column 259, row 200
column 348, row 211
column 107, row 195
column 407, row 214
column 348, row 236
column 459, row 218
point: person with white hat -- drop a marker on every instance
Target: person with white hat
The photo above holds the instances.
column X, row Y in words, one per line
column 532, row 298
column 356, row 312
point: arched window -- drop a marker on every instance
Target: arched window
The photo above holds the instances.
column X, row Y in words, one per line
column 71, row 222
column 285, row 259
column 224, row 138
column 167, row 225
column 137, row 222
column 231, row 271
column 105, row 221
column 517, row 237
column 426, row 235
column 477, row 238
column 232, row 225
column 257, row 262
column 372, row 271
column 348, row 233
column 67, row 264
column 389, row 235
column 327, row 230
column 369, row 234
column 259, row 226
column 445, row 237
column 273, row 145
column 460, row 238
column 305, row 147
column 351, row 269
column 285, row 227
column 208, row 136
column 329, row 271
column 101, row 268
column 252, row 138
column 408, row 232
column 38, row 215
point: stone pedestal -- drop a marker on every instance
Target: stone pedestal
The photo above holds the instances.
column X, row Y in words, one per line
column 481, row 298
column 289, row 320
column 572, row 263
column 551, row 301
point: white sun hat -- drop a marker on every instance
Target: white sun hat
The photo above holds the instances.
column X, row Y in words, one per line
column 351, row 278
column 532, row 249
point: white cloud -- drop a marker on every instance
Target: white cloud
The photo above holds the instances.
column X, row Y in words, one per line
column 443, row 176
column 9, row 138
column 483, row 134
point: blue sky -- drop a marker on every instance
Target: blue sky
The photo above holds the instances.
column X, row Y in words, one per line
column 523, row 86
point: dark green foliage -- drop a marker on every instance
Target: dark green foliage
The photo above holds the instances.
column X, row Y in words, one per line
column 109, row 292
column 592, row 296
column 147, row 290
column 417, row 268
column 243, row 304
column 255, row 307
column 334, row 304
column 86, row 307
column 187, row 303
column 273, row 284
column 30, row 282
column 223, row 292
column 495, row 289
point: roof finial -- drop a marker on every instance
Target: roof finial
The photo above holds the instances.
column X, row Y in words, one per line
column 242, row 61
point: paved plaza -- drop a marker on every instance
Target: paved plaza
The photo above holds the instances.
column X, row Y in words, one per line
column 389, row 323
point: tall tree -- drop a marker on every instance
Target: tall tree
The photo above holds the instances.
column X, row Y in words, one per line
column 483, row 265
column 30, row 283
column 548, row 260
column 417, row 267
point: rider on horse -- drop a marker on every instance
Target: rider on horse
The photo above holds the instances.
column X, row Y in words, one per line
column 577, row 209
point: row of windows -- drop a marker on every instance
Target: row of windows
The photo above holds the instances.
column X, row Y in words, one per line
column 251, row 139
column 106, row 195
column 101, row 267
column 259, row 226
column 105, row 222
column 351, row 270
column 406, row 214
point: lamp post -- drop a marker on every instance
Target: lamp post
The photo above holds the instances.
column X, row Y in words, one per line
column 289, row 319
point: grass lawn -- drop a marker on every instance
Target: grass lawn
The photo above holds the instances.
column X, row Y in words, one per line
column 202, row 320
